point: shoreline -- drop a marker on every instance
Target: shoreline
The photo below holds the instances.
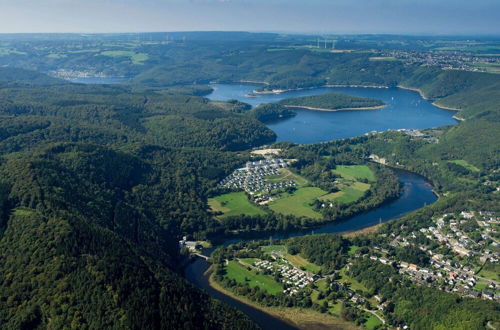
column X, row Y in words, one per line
column 279, row 91
column 302, row 318
column 334, row 110
column 364, row 231
column 434, row 103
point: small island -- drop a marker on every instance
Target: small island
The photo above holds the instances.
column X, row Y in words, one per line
column 333, row 102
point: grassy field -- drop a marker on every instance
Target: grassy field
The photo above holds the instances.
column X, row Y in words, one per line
column 465, row 164
column 353, row 249
column 235, row 203
column 355, row 172
column 349, row 192
column 350, row 188
column 249, row 261
column 300, row 262
column 298, row 203
column 491, row 271
column 353, row 193
column 286, row 175
column 240, row 274
column 353, row 284
column 372, row 321
column 136, row 58
column 274, row 248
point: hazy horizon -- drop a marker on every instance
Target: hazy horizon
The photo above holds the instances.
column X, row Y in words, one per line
column 410, row 17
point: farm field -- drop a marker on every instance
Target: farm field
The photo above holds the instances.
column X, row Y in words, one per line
column 355, row 172
column 298, row 203
column 232, row 204
column 240, row 274
column 136, row 58
column 350, row 188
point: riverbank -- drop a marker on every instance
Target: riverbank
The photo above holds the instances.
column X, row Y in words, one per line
column 434, row 103
column 334, row 110
column 299, row 318
column 364, row 231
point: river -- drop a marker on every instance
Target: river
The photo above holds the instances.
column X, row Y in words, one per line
column 405, row 109
column 416, row 193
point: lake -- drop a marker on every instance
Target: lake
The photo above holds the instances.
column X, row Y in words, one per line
column 404, row 109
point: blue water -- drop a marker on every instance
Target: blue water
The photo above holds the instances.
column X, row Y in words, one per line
column 416, row 193
column 404, row 109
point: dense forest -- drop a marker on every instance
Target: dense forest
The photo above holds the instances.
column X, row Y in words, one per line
column 99, row 182
column 332, row 101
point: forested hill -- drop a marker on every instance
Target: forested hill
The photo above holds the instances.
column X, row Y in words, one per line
column 83, row 247
column 93, row 201
column 332, row 101
column 21, row 76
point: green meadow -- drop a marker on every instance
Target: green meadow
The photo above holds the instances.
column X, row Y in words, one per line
column 242, row 275
column 355, row 172
column 136, row 58
column 300, row 262
column 298, row 203
column 232, row 204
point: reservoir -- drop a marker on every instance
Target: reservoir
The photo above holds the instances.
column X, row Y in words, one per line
column 404, row 109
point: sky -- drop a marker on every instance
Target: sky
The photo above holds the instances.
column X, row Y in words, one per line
column 435, row 17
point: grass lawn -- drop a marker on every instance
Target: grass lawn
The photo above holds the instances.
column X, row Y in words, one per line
column 239, row 273
column 353, row 249
column 235, row 203
column 490, row 271
column 298, row 202
column 481, row 285
column 335, row 309
column 300, row 262
column 249, row 261
column 350, row 192
column 350, row 188
column 354, row 285
column 136, row 58
column 355, row 172
column 465, row 164
column 372, row 321
column 286, row 175
column 353, row 193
